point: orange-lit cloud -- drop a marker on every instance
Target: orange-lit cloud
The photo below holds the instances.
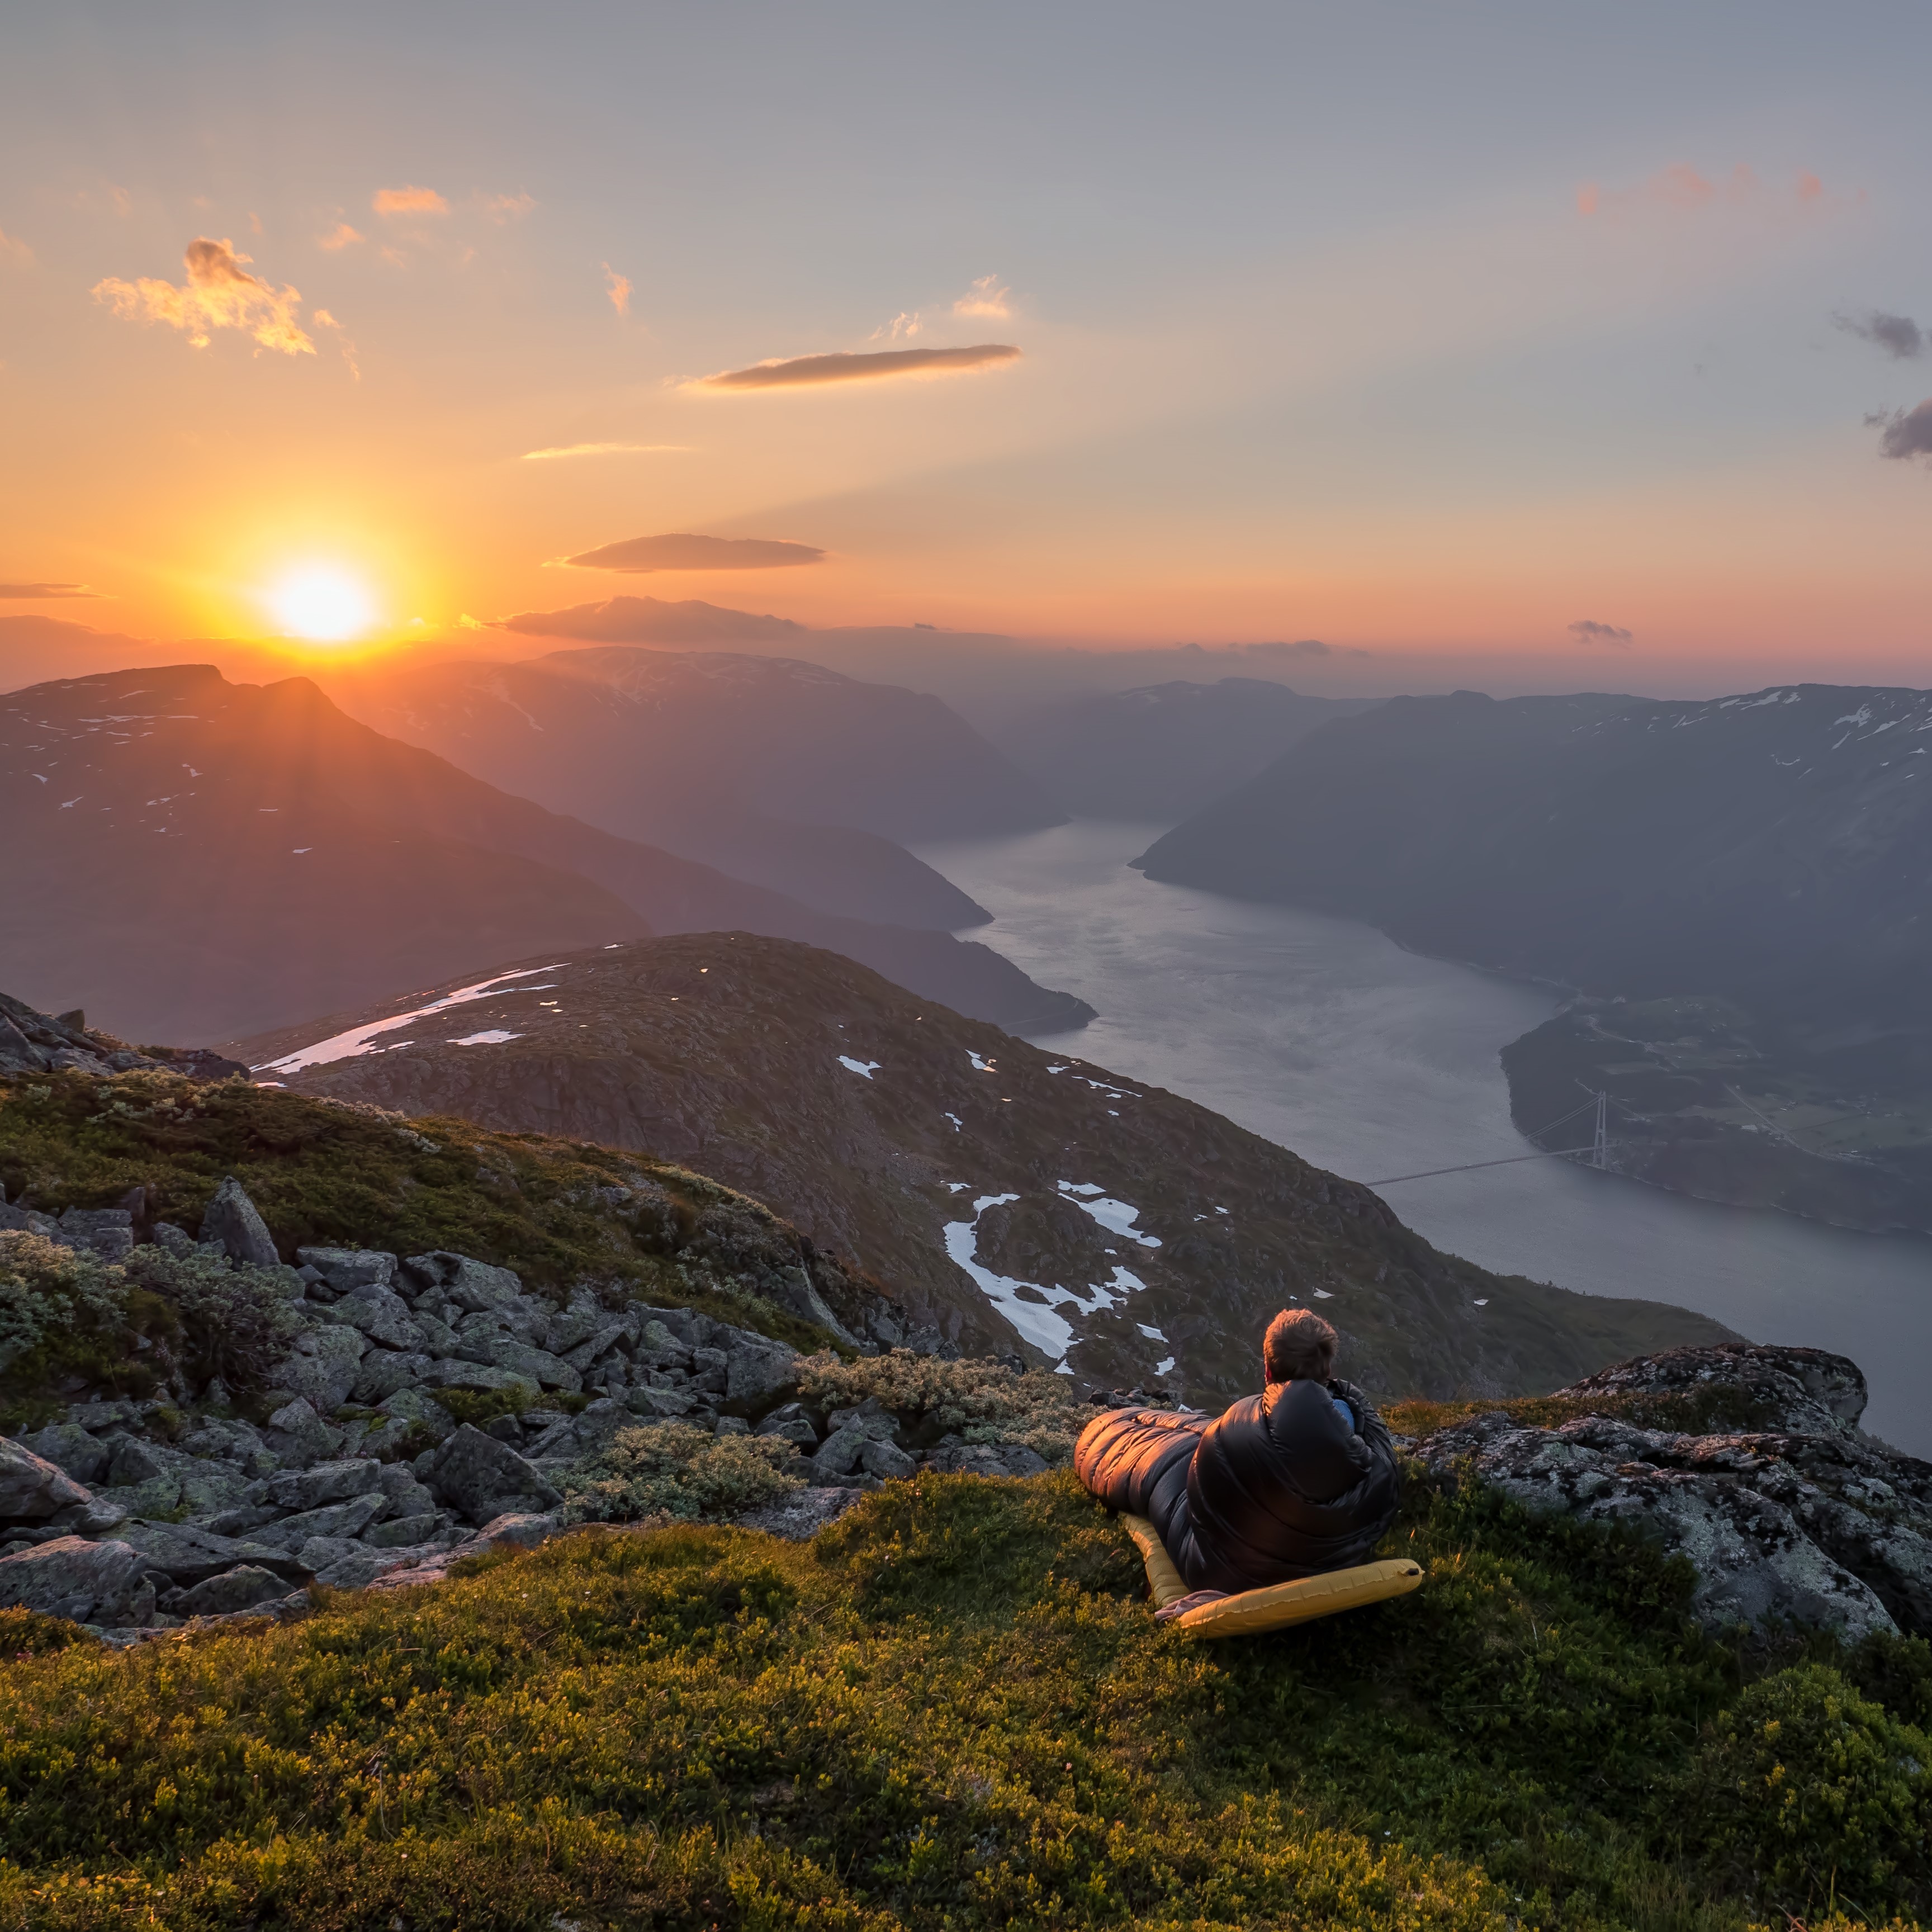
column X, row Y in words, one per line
column 37, row 592
column 902, row 328
column 843, row 366
column 1681, row 186
column 324, row 320
column 409, row 201
column 13, row 249
column 220, row 293
column 1587, row 631
column 683, row 551
column 338, row 237
column 618, row 288
column 502, row 208
column 986, row 298
column 605, row 449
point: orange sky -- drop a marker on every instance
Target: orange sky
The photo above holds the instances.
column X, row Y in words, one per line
column 1434, row 349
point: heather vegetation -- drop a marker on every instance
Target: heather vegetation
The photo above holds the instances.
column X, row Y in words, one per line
column 952, row 1710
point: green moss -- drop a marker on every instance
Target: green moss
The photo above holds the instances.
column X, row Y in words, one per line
column 327, row 1174
column 951, row 1711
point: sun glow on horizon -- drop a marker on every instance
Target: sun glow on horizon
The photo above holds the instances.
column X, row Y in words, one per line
column 322, row 604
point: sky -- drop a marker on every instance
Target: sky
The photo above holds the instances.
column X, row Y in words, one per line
column 1528, row 346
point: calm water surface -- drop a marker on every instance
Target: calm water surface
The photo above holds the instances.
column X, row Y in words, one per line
column 1327, row 1038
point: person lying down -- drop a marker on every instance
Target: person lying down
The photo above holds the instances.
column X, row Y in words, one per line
column 1297, row 1480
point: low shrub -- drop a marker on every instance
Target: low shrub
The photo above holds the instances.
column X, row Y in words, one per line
column 478, row 1406
column 670, row 1472
column 64, row 1311
column 983, row 1401
column 1825, row 1794
column 236, row 1322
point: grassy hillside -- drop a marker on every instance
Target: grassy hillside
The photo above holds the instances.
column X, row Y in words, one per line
column 953, row 1711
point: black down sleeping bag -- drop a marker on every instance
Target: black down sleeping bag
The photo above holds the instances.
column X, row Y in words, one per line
column 1278, row 1487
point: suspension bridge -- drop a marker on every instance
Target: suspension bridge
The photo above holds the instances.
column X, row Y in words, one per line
column 1596, row 1155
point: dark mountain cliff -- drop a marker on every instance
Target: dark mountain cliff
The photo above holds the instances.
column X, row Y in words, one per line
column 188, row 857
column 1008, row 1195
column 1163, row 751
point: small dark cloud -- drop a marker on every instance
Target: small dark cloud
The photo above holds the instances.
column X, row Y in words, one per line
column 1907, row 432
column 35, row 591
column 1897, row 335
column 682, row 551
column 1587, row 631
column 1302, row 647
column 652, row 620
column 843, row 366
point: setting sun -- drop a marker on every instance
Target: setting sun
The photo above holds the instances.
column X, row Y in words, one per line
column 322, row 603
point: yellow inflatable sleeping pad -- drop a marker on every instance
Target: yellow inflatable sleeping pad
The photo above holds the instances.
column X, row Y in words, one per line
column 1251, row 1612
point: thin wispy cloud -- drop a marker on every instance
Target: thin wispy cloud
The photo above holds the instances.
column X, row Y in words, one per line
column 13, row 249
column 1680, row 187
column 684, row 551
column 219, row 293
column 1907, row 433
column 35, row 592
column 408, row 201
column 1588, row 631
column 338, row 238
column 985, row 298
column 503, row 207
column 801, row 372
column 902, row 328
column 1898, row 335
column 605, row 449
column 618, row 288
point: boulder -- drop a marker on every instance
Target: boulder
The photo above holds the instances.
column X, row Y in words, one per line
column 417, row 1410
column 840, row 1453
column 31, row 1488
column 103, row 1583
column 94, row 1518
column 231, row 1223
column 802, row 1514
column 482, row 1478
column 578, row 1435
column 379, row 1313
column 600, row 1343
column 791, row 1421
column 888, row 1461
column 1812, row 1522
column 536, row 1365
column 472, row 1285
column 955, row 1458
column 872, row 1415
column 345, row 1270
column 759, row 1371
column 384, row 1371
column 135, row 1460
column 406, row 1495
column 298, row 1436
column 520, row 1532
column 583, row 1318
column 240, row 1589
column 451, row 1372
column 108, row 1232
column 324, row 1483
column 346, row 1519
column 186, row 1554
column 322, row 1367
column 402, row 1532
column 658, row 1405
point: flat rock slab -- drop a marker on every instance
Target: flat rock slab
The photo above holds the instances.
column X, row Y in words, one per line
column 801, row 1516
column 188, row 1555
column 105, row 1583
column 32, row 1489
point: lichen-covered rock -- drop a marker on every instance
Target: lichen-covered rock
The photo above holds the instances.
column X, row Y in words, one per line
column 521, row 1530
column 72, row 1450
column 347, row 1519
column 240, row 1589
column 345, row 1269
column 955, row 1458
column 379, row 1313
column 802, row 1515
column 401, row 1532
column 1811, row 1522
column 323, row 1367
column 232, row 1224
column 482, row 1478
column 324, row 1483
column 758, row 1371
column 188, row 1554
column 472, row 1285
column 31, row 1488
column 384, row 1371
column 297, row 1436
column 103, row 1583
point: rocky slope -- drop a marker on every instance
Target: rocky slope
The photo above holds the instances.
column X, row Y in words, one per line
column 1012, row 1198
column 1160, row 751
column 188, row 857
column 1760, row 858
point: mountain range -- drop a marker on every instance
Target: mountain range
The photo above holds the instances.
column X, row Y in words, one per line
column 190, row 857
column 1013, row 1199
column 781, row 772
column 1759, row 864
